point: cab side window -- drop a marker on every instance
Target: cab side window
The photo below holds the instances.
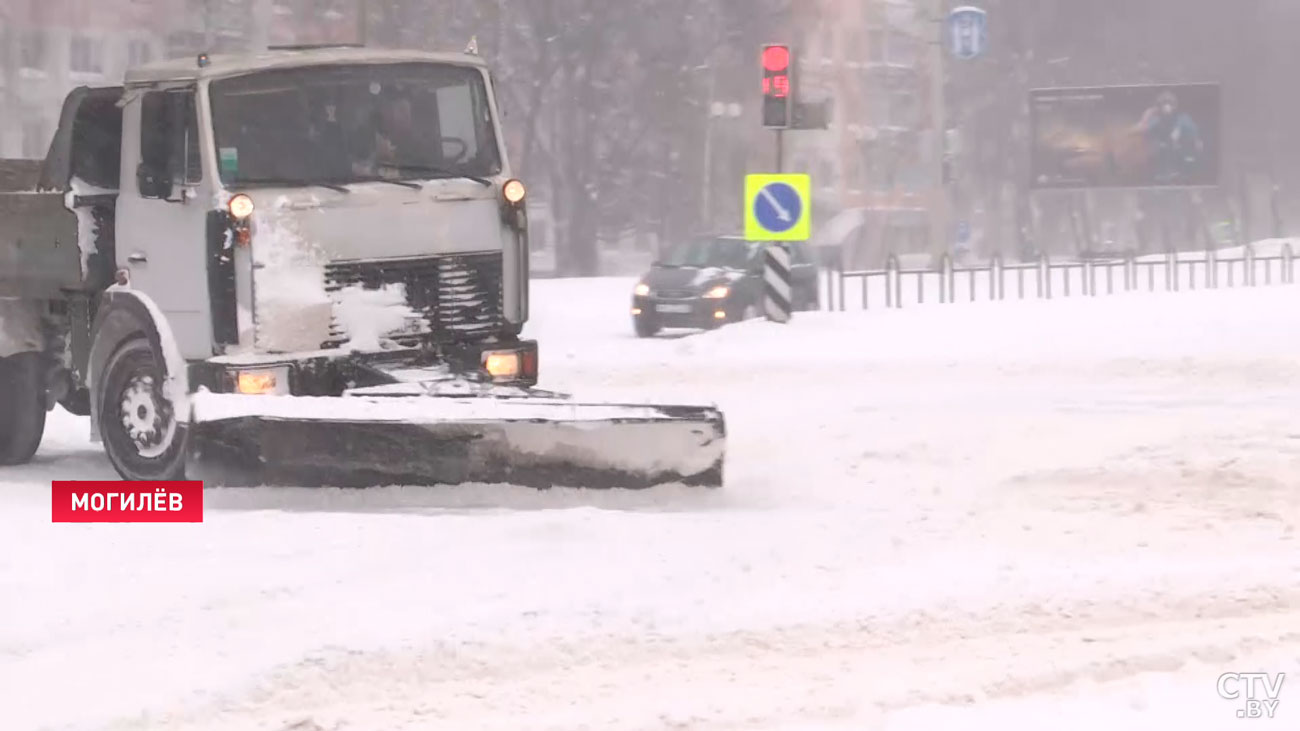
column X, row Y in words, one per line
column 169, row 145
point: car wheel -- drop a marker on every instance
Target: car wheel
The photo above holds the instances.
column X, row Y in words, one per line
column 23, row 426
column 142, row 436
column 645, row 327
column 751, row 312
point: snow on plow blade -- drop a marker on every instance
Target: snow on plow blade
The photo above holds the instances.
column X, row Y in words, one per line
column 249, row 441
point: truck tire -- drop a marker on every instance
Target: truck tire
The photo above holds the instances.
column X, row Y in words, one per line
column 141, row 435
column 22, row 401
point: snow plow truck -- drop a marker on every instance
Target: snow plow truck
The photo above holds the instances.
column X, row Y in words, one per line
column 305, row 267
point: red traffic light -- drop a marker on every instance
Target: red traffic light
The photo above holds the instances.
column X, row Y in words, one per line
column 776, row 58
column 778, row 87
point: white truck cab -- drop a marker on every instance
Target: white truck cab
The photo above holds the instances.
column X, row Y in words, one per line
column 361, row 166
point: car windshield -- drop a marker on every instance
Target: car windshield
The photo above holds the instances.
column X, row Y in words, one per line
column 710, row 252
column 344, row 124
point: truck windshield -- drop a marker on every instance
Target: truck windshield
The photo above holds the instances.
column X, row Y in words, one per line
column 346, row 124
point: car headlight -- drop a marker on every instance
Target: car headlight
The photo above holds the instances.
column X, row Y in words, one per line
column 643, row 290
column 718, row 292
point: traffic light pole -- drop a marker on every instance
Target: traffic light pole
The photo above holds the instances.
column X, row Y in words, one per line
column 780, row 151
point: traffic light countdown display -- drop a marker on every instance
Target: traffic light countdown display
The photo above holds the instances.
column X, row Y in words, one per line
column 777, row 89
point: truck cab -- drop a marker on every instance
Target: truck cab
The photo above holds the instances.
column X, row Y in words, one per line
column 294, row 222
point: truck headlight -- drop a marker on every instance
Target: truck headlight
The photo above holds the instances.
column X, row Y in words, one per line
column 513, row 191
column 717, row 293
column 642, row 290
column 241, row 207
column 502, row 365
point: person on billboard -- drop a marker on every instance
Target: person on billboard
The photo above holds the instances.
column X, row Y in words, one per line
column 1175, row 141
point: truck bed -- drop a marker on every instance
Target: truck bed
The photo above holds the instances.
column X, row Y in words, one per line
column 19, row 175
column 40, row 255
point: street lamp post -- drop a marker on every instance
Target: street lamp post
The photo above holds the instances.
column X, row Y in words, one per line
column 717, row 110
column 939, row 234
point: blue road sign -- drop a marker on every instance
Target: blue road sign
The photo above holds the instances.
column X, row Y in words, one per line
column 968, row 34
column 778, row 207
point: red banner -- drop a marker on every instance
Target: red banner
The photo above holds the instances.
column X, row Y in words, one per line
column 127, row 502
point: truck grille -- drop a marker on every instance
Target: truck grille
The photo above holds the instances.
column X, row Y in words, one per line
column 459, row 296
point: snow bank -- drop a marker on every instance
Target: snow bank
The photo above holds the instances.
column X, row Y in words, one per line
column 1263, row 248
column 292, row 309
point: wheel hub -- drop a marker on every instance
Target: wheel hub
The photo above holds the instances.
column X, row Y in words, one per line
column 146, row 418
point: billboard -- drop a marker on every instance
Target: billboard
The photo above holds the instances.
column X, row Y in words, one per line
column 1125, row 136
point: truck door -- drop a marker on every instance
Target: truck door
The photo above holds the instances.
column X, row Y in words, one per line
column 162, row 212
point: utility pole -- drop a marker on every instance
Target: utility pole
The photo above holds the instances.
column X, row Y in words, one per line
column 8, row 71
column 363, row 23
column 711, row 120
column 259, row 34
column 941, row 226
column 209, row 26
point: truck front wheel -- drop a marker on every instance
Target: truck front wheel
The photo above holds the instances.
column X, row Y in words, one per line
column 22, row 403
column 141, row 434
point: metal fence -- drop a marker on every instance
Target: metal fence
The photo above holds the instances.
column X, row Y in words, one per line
column 895, row 287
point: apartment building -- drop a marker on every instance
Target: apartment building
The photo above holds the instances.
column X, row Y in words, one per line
column 49, row 47
column 873, row 169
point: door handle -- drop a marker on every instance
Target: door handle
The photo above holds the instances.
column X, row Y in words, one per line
column 137, row 258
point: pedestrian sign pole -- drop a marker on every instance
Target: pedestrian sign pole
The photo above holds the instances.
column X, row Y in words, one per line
column 778, row 208
column 777, row 299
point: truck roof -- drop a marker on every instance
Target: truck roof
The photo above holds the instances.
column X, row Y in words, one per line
column 223, row 65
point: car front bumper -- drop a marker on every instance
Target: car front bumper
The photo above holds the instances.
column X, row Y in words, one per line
column 687, row 313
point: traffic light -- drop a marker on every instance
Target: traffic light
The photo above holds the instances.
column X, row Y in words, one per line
column 777, row 88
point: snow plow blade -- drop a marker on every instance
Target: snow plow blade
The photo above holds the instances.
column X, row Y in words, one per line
column 350, row 442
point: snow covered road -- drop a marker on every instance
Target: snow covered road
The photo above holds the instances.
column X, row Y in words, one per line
column 1014, row 515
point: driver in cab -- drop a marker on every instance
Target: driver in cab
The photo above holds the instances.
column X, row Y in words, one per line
column 393, row 141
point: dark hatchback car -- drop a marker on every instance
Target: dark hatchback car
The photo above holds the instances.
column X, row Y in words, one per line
column 707, row 282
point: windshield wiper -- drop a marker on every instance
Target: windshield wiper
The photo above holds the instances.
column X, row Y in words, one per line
column 379, row 179
column 296, row 182
column 440, row 172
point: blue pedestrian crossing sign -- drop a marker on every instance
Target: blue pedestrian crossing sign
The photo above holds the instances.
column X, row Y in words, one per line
column 778, row 207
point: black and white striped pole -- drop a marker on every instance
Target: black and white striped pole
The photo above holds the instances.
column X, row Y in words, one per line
column 777, row 297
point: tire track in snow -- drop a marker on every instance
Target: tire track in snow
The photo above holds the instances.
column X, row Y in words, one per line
column 858, row 671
